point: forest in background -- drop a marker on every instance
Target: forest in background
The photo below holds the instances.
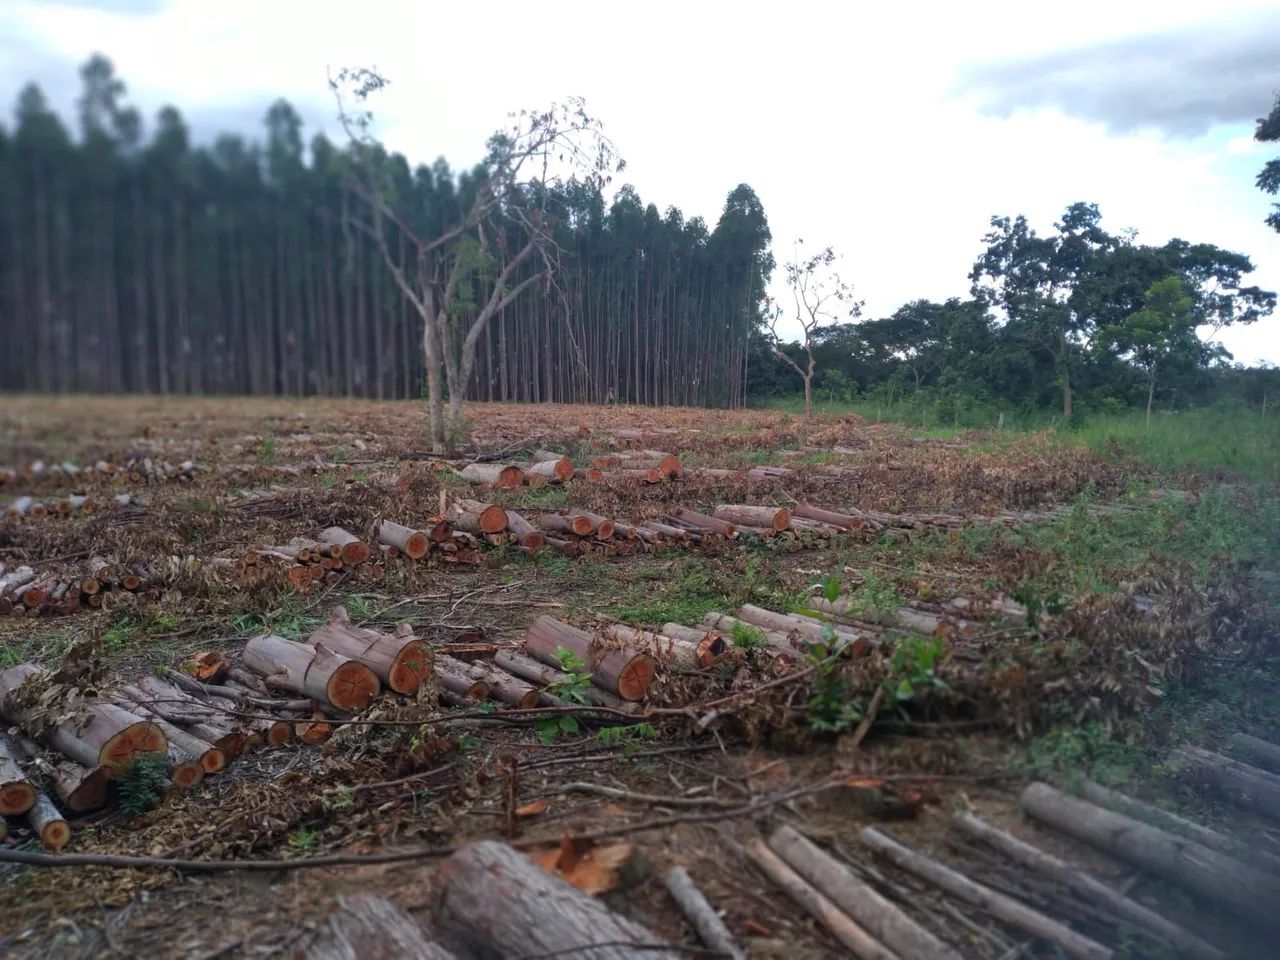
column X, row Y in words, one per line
column 132, row 260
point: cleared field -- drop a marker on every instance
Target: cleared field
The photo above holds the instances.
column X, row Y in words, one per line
column 933, row 625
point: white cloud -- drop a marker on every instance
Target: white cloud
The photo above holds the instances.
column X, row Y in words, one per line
column 842, row 117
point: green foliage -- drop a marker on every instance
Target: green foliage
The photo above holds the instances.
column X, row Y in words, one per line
column 545, row 497
column 628, row 738
column 875, row 595
column 833, row 708
column 913, row 666
column 680, row 591
column 551, row 728
column 303, row 841
column 1090, row 750
column 573, row 688
column 267, row 451
column 142, row 784
column 746, row 637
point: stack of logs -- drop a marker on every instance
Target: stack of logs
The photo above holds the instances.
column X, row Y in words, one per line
column 103, row 585
column 28, row 507
column 135, row 469
column 546, row 466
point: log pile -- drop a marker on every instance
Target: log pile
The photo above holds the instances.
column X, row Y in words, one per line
column 27, row 507
column 135, row 469
column 100, row 584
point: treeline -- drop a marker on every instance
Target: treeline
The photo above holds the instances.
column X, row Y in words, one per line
column 1078, row 319
column 139, row 262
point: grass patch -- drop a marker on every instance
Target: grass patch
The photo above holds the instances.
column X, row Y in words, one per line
column 545, row 497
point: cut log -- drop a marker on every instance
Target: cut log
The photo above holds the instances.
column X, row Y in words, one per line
column 1089, row 887
column 541, row 674
column 627, row 673
column 600, row 526
column 962, row 888
column 17, row 793
column 703, row 522
column 530, row 537
column 400, row 660
column 700, row 914
column 16, row 578
column 315, row 672
column 365, row 926
column 499, row 903
column 1237, row 886
column 157, row 697
column 663, row 649
column 851, row 936
column 589, row 474
column 790, row 645
column 1261, row 753
column 1242, row 784
column 461, row 684
column 558, row 469
column 499, row 684
column 878, row 916
column 98, row 734
column 917, row 621
column 47, row 823
column 494, row 474
column 80, row 789
column 183, row 747
column 855, row 642
column 353, row 550
column 652, row 476
column 490, row 518
column 414, row 544
column 770, row 518
column 20, row 507
column 711, row 644
column 558, row 524
column 845, row 521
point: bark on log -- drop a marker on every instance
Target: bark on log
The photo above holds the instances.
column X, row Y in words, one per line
column 771, row 518
column 1214, row 876
column 785, row 644
column 365, row 926
column 17, row 793
column 80, row 789
column 499, row 903
column 856, row 643
column 589, row 474
column 529, row 536
column 1089, row 887
column 157, row 697
column 458, row 682
column 560, row 468
column 414, row 544
column 1242, row 784
column 100, row 734
column 354, row 550
column 663, row 649
column 627, row 673
column 400, row 660
column 845, row 521
column 16, row 578
column 47, row 823
column 555, row 523
column 1006, row 908
column 703, row 522
column 543, row 675
column 490, row 517
column 880, row 917
column 1258, row 752
column 183, row 745
column 494, row 474
column 498, row 684
column 700, row 914
column 316, row 672
column 601, row 527
column 838, row 924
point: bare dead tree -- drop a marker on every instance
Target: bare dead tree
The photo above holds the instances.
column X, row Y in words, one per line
column 817, row 292
column 506, row 230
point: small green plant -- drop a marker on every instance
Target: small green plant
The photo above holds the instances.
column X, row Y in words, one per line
column 627, row 738
column 573, row 688
column 914, row 662
column 746, row 637
column 267, row 450
column 119, row 634
column 831, row 588
column 142, row 785
column 875, row 596
column 340, row 798
column 832, row 707
column 550, row 728
column 303, row 840
column 468, row 741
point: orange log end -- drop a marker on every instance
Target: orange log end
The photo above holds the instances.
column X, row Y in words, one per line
column 412, row 665
column 352, row 686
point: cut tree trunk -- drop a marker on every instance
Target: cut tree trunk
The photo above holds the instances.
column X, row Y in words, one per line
column 490, row 518
column 365, row 926
column 47, row 823
column 1087, row 886
column 558, row 468
column 183, row 746
column 845, row 521
column 1258, row 752
column 399, row 660
column 879, row 916
column 904, row 617
column 494, row 474
column 1242, row 784
column 354, row 551
column 556, row 523
column 770, row 518
column 1214, row 876
column 663, row 649
column 157, row 697
column 712, row 644
column 853, row 937
column 785, row 644
column 700, row 520
column 700, row 914
column 962, row 888
column 316, row 672
column 460, row 684
column 627, row 673
column 97, row 734
column 499, row 684
column 499, row 903
column 856, row 644
column 600, row 526
column 80, row 789
column 540, row 673
column 17, row 793
column 530, row 537
column 414, row 544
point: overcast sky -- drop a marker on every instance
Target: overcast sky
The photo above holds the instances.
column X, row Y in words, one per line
column 892, row 134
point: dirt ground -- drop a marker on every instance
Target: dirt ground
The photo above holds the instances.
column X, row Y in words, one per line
column 416, row 779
